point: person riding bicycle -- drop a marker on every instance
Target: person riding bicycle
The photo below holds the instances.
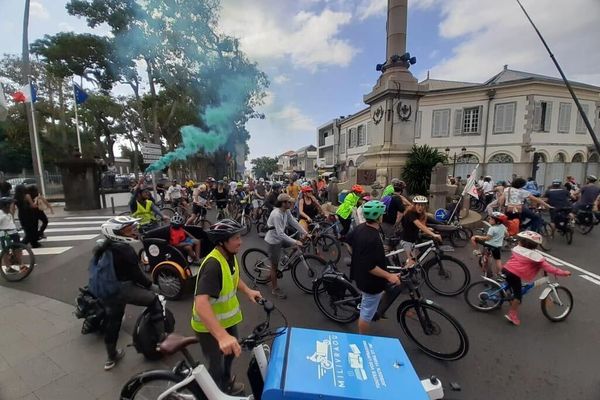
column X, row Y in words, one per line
column 368, row 265
column 175, row 194
column 280, row 218
column 396, row 205
column 344, row 211
column 200, row 204
column 8, row 228
column 271, row 201
column 413, row 223
column 221, row 196
column 147, row 212
column 513, row 199
column 260, row 192
column 134, row 287
column 560, row 199
column 493, row 239
column 524, row 265
column 216, row 310
column 308, row 207
column 182, row 239
column 588, row 195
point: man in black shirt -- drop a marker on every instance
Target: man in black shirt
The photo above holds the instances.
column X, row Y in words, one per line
column 135, row 286
column 560, row 200
column 395, row 210
column 368, row 267
column 271, row 200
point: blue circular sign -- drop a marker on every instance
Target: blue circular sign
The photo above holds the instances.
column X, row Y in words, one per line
column 441, row 214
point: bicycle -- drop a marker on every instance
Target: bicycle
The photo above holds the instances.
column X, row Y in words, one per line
column 489, row 294
column 586, row 219
column 564, row 224
column 244, row 218
column 190, row 379
column 201, row 220
column 12, row 257
column 334, row 295
column 304, row 267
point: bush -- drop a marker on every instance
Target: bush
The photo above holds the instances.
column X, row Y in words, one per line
column 417, row 172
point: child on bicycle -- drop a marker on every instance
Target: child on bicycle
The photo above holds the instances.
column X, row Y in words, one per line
column 181, row 239
column 493, row 239
column 8, row 227
column 524, row 265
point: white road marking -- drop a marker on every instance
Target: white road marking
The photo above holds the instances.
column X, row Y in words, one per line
column 66, row 238
column 559, row 262
column 54, row 223
column 83, row 228
column 102, row 217
column 42, row 251
column 590, row 279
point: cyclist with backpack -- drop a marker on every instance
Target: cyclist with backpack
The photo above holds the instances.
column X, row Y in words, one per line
column 117, row 280
column 344, row 211
column 395, row 206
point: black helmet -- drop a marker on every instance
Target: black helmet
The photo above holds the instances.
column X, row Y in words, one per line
column 276, row 186
column 223, row 230
column 5, row 201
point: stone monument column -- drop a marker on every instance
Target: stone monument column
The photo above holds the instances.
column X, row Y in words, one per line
column 393, row 104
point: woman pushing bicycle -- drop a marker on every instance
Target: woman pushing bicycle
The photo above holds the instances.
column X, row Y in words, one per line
column 413, row 222
column 524, row 265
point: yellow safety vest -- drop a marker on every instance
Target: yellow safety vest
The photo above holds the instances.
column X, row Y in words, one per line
column 144, row 212
column 345, row 209
column 227, row 307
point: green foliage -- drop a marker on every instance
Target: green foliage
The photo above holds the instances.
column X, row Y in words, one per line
column 263, row 167
column 417, row 172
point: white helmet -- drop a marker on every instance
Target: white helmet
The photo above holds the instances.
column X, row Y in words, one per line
column 111, row 229
column 531, row 236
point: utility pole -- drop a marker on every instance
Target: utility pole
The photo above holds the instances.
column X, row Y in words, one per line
column 29, row 107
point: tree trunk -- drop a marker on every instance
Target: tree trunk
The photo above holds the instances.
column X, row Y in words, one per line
column 155, row 126
column 135, row 86
column 62, row 116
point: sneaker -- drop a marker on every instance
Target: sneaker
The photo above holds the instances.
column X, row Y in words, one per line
column 112, row 361
column 277, row 292
column 476, row 253
column 235, row 389
column 513, row 318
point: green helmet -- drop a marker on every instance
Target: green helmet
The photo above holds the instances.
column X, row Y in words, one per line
column 388, row 191
column 373, row 209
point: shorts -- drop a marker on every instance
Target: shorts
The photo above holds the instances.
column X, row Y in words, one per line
column 368, row 305
column 496, row 253
column 274, row 251
column 186, row 241
column 515, row 284
column 199, row 210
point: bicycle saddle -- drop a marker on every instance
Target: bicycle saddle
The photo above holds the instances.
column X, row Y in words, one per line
column 175, row 342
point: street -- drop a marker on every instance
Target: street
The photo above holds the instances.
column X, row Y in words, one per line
column 538, row 360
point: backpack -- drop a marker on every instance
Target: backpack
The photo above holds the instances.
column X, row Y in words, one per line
column 386, row 200
column 512, row 226
column 103, row 281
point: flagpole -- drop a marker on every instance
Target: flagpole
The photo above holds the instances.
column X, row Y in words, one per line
column 76, row 118
column 36, row 141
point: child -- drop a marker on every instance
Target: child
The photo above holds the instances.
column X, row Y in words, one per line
column 493, row 240
column 179, row 238
column 8, row 227
column 524, row 264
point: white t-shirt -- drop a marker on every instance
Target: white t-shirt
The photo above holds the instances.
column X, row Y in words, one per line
column 515, row 196
column 232, row 186
column 487, row 187
column 174, row 192
column 7, row 224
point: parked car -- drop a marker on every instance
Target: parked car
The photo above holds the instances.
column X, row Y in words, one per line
column 20, row 181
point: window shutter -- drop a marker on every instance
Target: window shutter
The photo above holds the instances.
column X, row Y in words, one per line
column 499, row 118
column 580, row 126
column 548, row 117
column 367, row 134
column 564, row 118
column 458, row 122
column 343, row 143
column 509, row 117
column 435, row 124
column 537, row 116
column 480, row 119
column 418, row 124
column 445, row 122
column 354, row 137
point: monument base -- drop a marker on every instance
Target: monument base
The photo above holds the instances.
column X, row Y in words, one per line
column 387, row 161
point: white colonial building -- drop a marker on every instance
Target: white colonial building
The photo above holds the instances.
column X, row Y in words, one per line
column 501, row 124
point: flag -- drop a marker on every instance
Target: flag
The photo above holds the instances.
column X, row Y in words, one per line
column 27, row 94
column 3, row 105
column 470, row 187
column 80, row 94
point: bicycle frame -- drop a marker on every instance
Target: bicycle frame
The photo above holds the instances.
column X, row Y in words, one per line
column 430, row 248
column 526, row 287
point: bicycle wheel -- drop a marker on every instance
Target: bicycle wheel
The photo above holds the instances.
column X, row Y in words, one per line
column 484, row 296
column 459, row 237
column 16, row 262
column 446, row 275
column 168, row 212
column 257, row 265
column 558, row 305
column 338, row 300
column 169, row 281
column 583, row 228
column 205, row 224
column 433, row 330
column 569, row 235
column 546, row 232
column 328, row 248
column 151, row 384
column 246, row 222
column 306, row 268
column 261, row 229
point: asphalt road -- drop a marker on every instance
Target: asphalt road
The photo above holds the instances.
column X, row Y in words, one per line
column 538, row 360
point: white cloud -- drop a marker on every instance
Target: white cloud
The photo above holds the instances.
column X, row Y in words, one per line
column 271, row 32
column 38, row 11
column 291, row 117
column 66, row 27
column 498, row 33
column 376, row 8
column 280, row 79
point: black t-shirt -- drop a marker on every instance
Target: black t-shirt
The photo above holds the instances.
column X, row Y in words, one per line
column 367, row 253
column 394, row 207
column 126, row 264
column 558, row 198
column 210, row 277
column 410, row 230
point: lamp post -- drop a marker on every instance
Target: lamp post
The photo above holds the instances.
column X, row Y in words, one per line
column 454, row 156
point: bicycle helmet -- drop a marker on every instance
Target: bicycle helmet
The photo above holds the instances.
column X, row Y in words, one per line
column 220, row 182
column 240, row 184
column 498, row 216
column 223, row 230
column 556, row 182
column 531, row 236
column 111, row 229
column 592, row 178
column 307, row 189
column 357, row 189
column 418, row 199
column 373, row 209
column 388, row 191
column 202, row 187
column 177, row 220
column 276, row 186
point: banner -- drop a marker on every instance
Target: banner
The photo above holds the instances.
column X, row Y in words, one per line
column 470, row 187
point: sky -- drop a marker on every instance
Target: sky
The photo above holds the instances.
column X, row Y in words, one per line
column 320, row 55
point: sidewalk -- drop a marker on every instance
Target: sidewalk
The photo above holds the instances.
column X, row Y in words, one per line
column 43, row 355
column 59, row 212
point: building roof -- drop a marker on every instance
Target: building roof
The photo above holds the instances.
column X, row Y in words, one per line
column 439, row 84
column 310, row 147
column 288, row 153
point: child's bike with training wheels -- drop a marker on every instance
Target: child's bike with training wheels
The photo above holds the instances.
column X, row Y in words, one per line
column 556, row 301
column 16, row 259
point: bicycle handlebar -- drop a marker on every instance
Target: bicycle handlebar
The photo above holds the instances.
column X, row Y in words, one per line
column 261, row 332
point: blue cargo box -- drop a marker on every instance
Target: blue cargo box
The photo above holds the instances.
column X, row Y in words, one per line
column 309, row 364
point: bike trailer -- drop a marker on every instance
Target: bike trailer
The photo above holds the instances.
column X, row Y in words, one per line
column 326, row 365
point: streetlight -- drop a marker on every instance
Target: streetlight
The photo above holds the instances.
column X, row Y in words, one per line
column 447, row 150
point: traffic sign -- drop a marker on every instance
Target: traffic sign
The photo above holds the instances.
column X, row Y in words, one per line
column 441, row 214
column 151, row 152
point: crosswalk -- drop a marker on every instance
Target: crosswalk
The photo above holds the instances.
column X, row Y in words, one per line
column 65, row 233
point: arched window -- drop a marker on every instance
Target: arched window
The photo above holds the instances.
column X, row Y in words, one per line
column 351, row 163
column 577, row 158
column 501, row 158
column 467, row 159
column 542, row 157
column 594, row 158
column 560, row 158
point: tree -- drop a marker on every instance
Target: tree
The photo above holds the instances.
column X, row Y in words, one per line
column 263, row 167
column 417, row 172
